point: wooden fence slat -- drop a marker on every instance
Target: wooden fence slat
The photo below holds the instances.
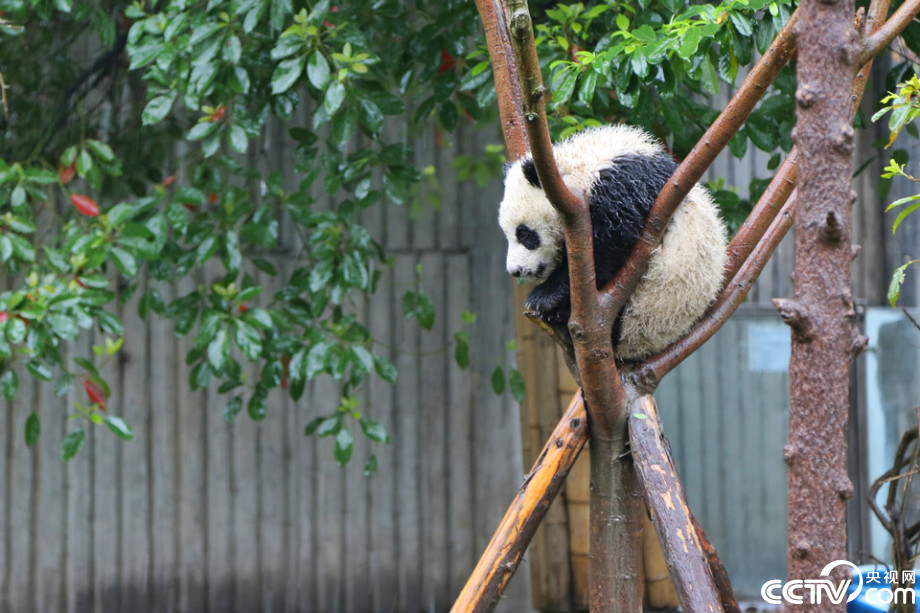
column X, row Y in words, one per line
column 23, row 486
column 49, row 531
column 218, row 450
column 434, row 348
column 460, row 556
column 272, row 498
column 407, row 432
column 164, row 459
column 79, row 568
column 244, row 489
column 384, row 486
column 191, row 525
column 135, row 505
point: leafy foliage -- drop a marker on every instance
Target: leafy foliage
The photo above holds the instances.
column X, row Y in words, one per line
column 97, row 206
column 134, row 155
column 904, row 108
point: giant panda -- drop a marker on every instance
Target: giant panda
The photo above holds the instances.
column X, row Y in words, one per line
column 622, row 168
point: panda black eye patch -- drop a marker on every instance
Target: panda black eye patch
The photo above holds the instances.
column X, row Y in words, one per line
column 527, row 237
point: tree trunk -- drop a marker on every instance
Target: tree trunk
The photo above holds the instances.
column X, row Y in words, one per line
column 824, row 335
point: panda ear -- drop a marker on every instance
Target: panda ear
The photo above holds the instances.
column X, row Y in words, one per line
column 530, row 172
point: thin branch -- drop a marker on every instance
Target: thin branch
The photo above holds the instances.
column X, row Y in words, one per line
column 507, row 86
column 533, row 93
column 650, row 372
column 503, row 554
column 887, row 33
column 590, row 322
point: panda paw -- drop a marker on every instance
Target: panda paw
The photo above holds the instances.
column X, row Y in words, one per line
column 551, row 306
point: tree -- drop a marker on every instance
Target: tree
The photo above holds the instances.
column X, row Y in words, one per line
column 613, row 403
column 149, row 159
column 137, row 149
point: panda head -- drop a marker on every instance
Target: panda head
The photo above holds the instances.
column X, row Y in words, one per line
column 530, row 223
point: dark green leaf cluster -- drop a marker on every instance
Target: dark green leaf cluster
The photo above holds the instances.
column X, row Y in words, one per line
column 127, row 161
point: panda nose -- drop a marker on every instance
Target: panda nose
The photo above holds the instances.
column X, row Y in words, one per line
column 516, row 272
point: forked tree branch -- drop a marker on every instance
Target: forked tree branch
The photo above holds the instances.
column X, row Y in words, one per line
column 883, row 36
column 652, row 369
column 590, row 324
column 615, row 509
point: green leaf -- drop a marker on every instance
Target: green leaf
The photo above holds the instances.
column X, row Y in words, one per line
column 10, row 384
column 110, row 322
column 385, row 369
column 370, row 467
column 124, row 262
column 316, row 359
column 39, row 370
column 335, row 96
column 563, row 85
column 202, row 130
column 518, row 387
column 903, row 215
column 232, row 49
column 233, row 409
column 897, row 280
column 256, row 405
column 742, row 24
column 344, row 445
column 318, row 70
column 18, row 197
column 374, row 430
column 462, row 349
column 287, row 73
column 238, row 139
column 101, row 150
column 709, row 76
column 498, row 380
column 33, row 429
column 363, row 358
column 370, row 116
column 219, row 349
column 119, row 427
column 63, row 384
column 72, row 443
column 689, row 43
column 199, row 376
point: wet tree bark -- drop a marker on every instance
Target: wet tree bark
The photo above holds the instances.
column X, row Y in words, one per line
column 821, row 316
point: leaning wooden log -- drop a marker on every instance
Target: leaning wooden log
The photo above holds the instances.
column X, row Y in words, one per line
column 664, row 495
column 503, row 554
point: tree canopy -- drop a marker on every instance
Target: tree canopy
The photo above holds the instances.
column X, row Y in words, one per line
column 134, row 152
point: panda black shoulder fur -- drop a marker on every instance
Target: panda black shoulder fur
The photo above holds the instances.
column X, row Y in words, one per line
column 623, row 168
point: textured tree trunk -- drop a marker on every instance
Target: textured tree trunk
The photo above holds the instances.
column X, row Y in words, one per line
column 824, row 334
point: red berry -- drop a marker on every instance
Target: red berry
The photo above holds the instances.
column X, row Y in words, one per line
column 447, row 62
column 67, row 173
column 85, row 205
column 95, row 392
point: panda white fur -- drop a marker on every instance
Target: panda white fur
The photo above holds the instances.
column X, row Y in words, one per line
column 623, row 168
